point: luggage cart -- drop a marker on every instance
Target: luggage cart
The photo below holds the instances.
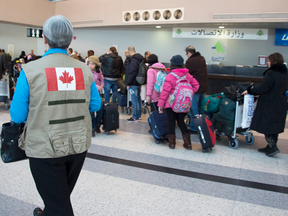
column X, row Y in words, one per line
column 143, row 98
column 237, row 129
column 5, row 91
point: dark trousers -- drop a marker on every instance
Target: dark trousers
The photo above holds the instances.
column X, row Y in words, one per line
column 172, row 116
column 55, row 179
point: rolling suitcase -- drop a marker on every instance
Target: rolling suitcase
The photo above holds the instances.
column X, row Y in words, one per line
column 120, row 99
column 110, row 119
column 158, row 123
column 121, row 87
column 205, row 131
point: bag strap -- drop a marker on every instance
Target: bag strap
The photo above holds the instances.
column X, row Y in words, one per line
column 179, row 79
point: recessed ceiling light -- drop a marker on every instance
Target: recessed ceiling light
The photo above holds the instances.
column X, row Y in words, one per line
column 158, row 26
column 221, row 27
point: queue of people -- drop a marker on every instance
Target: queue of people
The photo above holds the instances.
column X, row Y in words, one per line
column 63, row 122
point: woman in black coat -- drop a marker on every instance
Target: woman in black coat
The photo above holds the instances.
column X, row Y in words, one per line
column 270, row 114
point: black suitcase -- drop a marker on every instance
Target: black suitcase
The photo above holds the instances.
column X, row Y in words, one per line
column 121, row 87
column 110, row 118
column 205, row 131
column 119, row 99
column 158, row 123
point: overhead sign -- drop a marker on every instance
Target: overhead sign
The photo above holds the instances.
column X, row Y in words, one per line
column 212, row 33
column 36, row 33
column 281, row 37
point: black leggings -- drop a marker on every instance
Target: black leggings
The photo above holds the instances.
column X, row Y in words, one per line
column 172, row 116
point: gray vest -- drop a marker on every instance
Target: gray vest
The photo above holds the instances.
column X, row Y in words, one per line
column 59, row 121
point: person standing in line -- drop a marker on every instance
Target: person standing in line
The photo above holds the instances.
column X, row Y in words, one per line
column 111, row 67
column 196, row 65
column 151, row 93
column 146, row 55
column 94, row 65
column 54, row 96
column 270, row 114
column 3, row 65
column 132, row 69
column 177, row 67
column 89, row 53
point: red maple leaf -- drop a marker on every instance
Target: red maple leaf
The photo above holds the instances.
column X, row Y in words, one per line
column 66, row 78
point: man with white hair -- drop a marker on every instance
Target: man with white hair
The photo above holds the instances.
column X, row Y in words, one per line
column 54, row 96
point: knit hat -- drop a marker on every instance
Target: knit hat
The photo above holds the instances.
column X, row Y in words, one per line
column 94, row 59
column 177, row 60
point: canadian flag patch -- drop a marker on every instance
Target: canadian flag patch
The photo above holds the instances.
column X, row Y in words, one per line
column 64, row 79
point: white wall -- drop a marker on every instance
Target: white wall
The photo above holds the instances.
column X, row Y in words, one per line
column 157, row 41
column 161, row 43
column 17, row 35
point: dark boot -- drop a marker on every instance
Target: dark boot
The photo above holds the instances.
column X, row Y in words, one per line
column 273, row 149
column 172, row 141
column 264, row 150
column 187, row 141
column 97, row 128
column 93, row 132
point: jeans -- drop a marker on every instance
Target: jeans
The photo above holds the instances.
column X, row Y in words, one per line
column 108, row 84
column 97, row 120
column 136, row 102
column 196, row 108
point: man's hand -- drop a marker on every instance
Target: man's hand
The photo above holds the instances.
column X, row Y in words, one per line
column 245, row 92
column 160, row 109
column 127, row 87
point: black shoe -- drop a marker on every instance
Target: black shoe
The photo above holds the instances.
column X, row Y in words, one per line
column 97, row 129
column 272, row 151
column 264, row 150
column 132, row 120
column 192, row 131
column 37, row 211
column 150, row 131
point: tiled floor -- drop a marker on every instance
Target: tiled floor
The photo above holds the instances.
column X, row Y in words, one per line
column 128, row 174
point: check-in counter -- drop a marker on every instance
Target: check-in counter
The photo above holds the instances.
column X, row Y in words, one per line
column 220, row 77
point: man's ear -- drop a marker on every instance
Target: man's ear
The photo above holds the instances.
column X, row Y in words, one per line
column 45, row 41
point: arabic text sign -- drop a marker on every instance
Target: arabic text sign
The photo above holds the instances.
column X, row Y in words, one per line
column 281, row 37
column 244, row 34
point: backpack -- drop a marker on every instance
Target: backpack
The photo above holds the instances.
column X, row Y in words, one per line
column 181, row 99
column 160, row 79
column 141, row 77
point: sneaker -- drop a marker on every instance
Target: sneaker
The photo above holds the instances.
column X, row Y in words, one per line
column 132, row 120
column 37, row 211
column 140, row 118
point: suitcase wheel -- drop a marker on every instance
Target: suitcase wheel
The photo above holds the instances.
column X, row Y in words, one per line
column 107, row 132
column 157, row 141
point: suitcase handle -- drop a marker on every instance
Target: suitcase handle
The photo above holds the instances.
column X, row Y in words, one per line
column 146, row 106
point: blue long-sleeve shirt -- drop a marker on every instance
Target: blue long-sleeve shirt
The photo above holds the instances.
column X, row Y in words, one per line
column 20, row 103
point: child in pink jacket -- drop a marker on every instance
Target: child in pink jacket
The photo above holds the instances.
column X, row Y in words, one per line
column 151, row 94
column 177, row 66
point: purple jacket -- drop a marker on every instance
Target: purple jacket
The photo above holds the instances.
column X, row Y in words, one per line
column 151, row 80
column 98, row 79
column 170, row 84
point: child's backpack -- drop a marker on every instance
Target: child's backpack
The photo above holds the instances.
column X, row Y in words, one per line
column 141, row 77
column 160, row 79
column 181, row 99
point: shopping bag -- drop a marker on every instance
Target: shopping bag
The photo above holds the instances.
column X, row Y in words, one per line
column 10, row 152
column 248, row 111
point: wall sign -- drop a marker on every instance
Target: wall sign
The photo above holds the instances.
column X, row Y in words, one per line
column 262, row 61
column 281, row 37
column 219, row 51
column 210, row 33
column 36, row 33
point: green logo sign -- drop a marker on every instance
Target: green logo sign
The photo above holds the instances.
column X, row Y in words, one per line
column 219, row 48
column 260, row 33
column 178, row 31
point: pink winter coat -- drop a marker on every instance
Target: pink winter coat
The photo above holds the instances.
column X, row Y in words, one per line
column 170, row 84
column 98, row 78
column 151, row 80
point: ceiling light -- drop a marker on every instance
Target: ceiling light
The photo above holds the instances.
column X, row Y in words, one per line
column 158, row 26
column 221, row 27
